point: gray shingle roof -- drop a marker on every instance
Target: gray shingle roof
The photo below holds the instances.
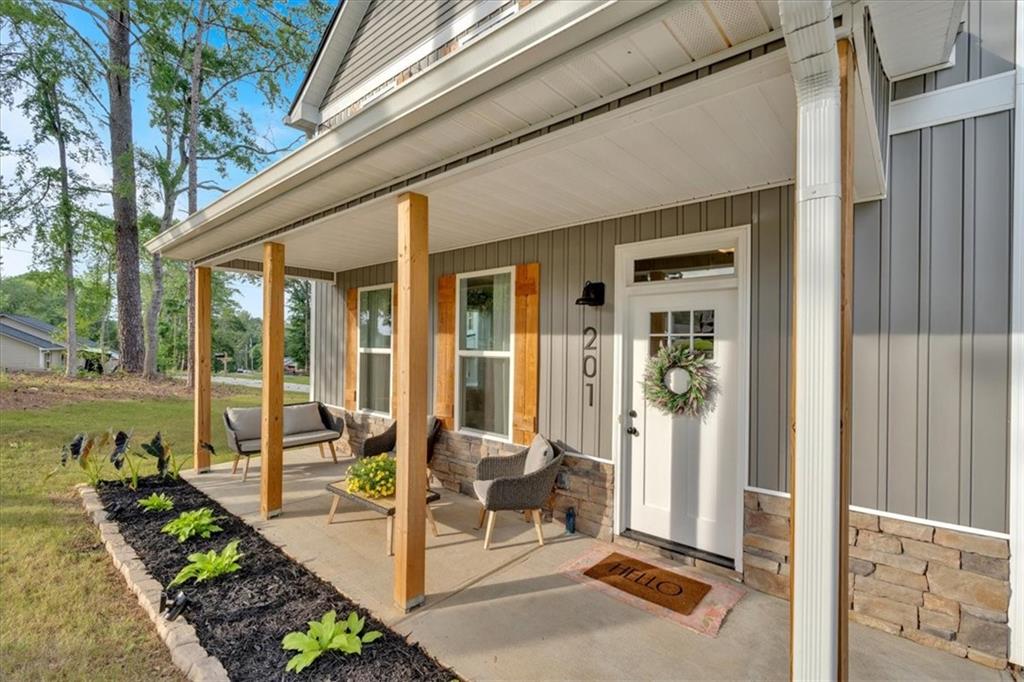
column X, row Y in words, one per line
column 45, row 328
column 38, row 342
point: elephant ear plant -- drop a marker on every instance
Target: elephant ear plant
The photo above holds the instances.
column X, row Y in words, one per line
column 78, row 450
column 327, row 634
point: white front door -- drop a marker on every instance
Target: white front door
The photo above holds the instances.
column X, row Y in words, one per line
column 683, row 470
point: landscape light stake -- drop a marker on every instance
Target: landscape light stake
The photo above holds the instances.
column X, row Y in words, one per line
column 172, row 607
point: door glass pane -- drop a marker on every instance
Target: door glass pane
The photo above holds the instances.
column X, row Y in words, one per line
column 485, row 388
column 704, row 344
column 657, row 343
column 486, row 312
column 375, row 381
column 681, row 322
column 703, row 321
column 717, row 263
column 375, row 318
column 659, row 323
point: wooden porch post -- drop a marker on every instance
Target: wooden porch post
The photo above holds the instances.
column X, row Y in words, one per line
column 411, row 328
column 272, row 433
column 846, row 66
column 201, row 371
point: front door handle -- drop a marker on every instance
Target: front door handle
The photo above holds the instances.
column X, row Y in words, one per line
column 632, row 431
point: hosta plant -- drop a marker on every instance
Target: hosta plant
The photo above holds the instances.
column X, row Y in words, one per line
column 157, row 502
column 195, row 523
column 203, row 566
column 327, row 634
column 373, row 476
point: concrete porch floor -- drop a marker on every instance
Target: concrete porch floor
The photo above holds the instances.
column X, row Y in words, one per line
column 507, row 613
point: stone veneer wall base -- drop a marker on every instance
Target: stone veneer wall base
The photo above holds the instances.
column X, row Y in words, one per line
column 180, row 637
column 943, row 588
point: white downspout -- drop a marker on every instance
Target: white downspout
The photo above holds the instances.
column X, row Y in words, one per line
column 814, row 62
column 1016, row 445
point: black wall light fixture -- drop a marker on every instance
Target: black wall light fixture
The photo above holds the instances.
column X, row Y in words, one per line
column 593, row 294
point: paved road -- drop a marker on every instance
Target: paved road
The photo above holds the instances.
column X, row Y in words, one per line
column 253, row 383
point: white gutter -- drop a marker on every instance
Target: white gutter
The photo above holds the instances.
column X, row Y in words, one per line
column 1016, row 444
column 811, row 44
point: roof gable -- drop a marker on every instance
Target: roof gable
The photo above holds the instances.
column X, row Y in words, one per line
column 31, row 322
column 18, row 334
column 305, row 111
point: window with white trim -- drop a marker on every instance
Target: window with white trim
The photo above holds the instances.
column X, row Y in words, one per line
column 374, row 371
column 483, row 352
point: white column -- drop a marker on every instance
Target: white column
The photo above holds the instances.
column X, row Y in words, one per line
column 811, row 44
column 1016, row 452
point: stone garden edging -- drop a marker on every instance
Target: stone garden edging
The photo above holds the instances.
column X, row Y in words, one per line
column 180, row 637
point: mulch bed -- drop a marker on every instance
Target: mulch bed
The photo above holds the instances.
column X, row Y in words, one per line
column 242, row 617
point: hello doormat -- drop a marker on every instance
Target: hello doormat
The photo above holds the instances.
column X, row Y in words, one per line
column 650, row 583
column 688, row 596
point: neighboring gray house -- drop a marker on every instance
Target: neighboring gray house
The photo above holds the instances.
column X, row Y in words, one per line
column 820, row 194
column 29, row 344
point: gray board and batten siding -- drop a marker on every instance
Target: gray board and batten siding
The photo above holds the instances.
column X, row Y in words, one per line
column 931, row 328
column 931, row 317
column 567, row 258
column 388, row 30
column 931, row 310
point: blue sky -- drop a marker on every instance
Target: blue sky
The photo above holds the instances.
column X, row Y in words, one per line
column 17, row 258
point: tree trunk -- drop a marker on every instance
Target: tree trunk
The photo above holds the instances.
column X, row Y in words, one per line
column 105, row 320
column 157, row 297
column 70, row 301
column 194, row 100
column 153, row 317
column 126, row 228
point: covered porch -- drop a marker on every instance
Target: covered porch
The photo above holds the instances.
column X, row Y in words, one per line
column 567, row 144
column 512, row 612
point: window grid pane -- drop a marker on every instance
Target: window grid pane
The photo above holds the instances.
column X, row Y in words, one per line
column 484, row 346
column 375, row 318
column 692, row 328
column 375, row 382
column 485, row 312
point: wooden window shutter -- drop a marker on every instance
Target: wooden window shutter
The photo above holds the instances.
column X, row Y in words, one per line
column 526, row 352
column 394, row 350
column 444, row 363
column 351, row 347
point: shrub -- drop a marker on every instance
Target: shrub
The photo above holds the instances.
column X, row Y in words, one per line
column 204, row 566
column 373, row 476
column 157, row 502
column 327, row 634
column 197, row 522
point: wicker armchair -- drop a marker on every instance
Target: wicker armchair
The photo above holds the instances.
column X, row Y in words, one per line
column 386, row 442
column 522, row 481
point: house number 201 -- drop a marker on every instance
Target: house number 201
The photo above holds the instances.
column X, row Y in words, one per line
column 589, row 362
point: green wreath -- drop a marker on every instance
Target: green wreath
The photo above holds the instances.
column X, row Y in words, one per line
column 698, row 400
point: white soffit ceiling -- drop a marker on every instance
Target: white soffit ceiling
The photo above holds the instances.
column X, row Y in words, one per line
column 711, row 138
column 913, row 35
column 664, row 40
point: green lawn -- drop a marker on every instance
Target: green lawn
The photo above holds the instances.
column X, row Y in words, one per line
column 64, row 611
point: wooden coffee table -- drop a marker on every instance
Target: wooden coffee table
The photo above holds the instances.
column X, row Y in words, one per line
column 382, row 505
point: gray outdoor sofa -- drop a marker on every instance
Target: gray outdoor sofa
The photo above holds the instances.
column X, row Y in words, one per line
column 309, row 423
column 522, row 481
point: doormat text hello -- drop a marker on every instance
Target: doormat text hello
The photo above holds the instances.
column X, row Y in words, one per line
column 650, row 583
